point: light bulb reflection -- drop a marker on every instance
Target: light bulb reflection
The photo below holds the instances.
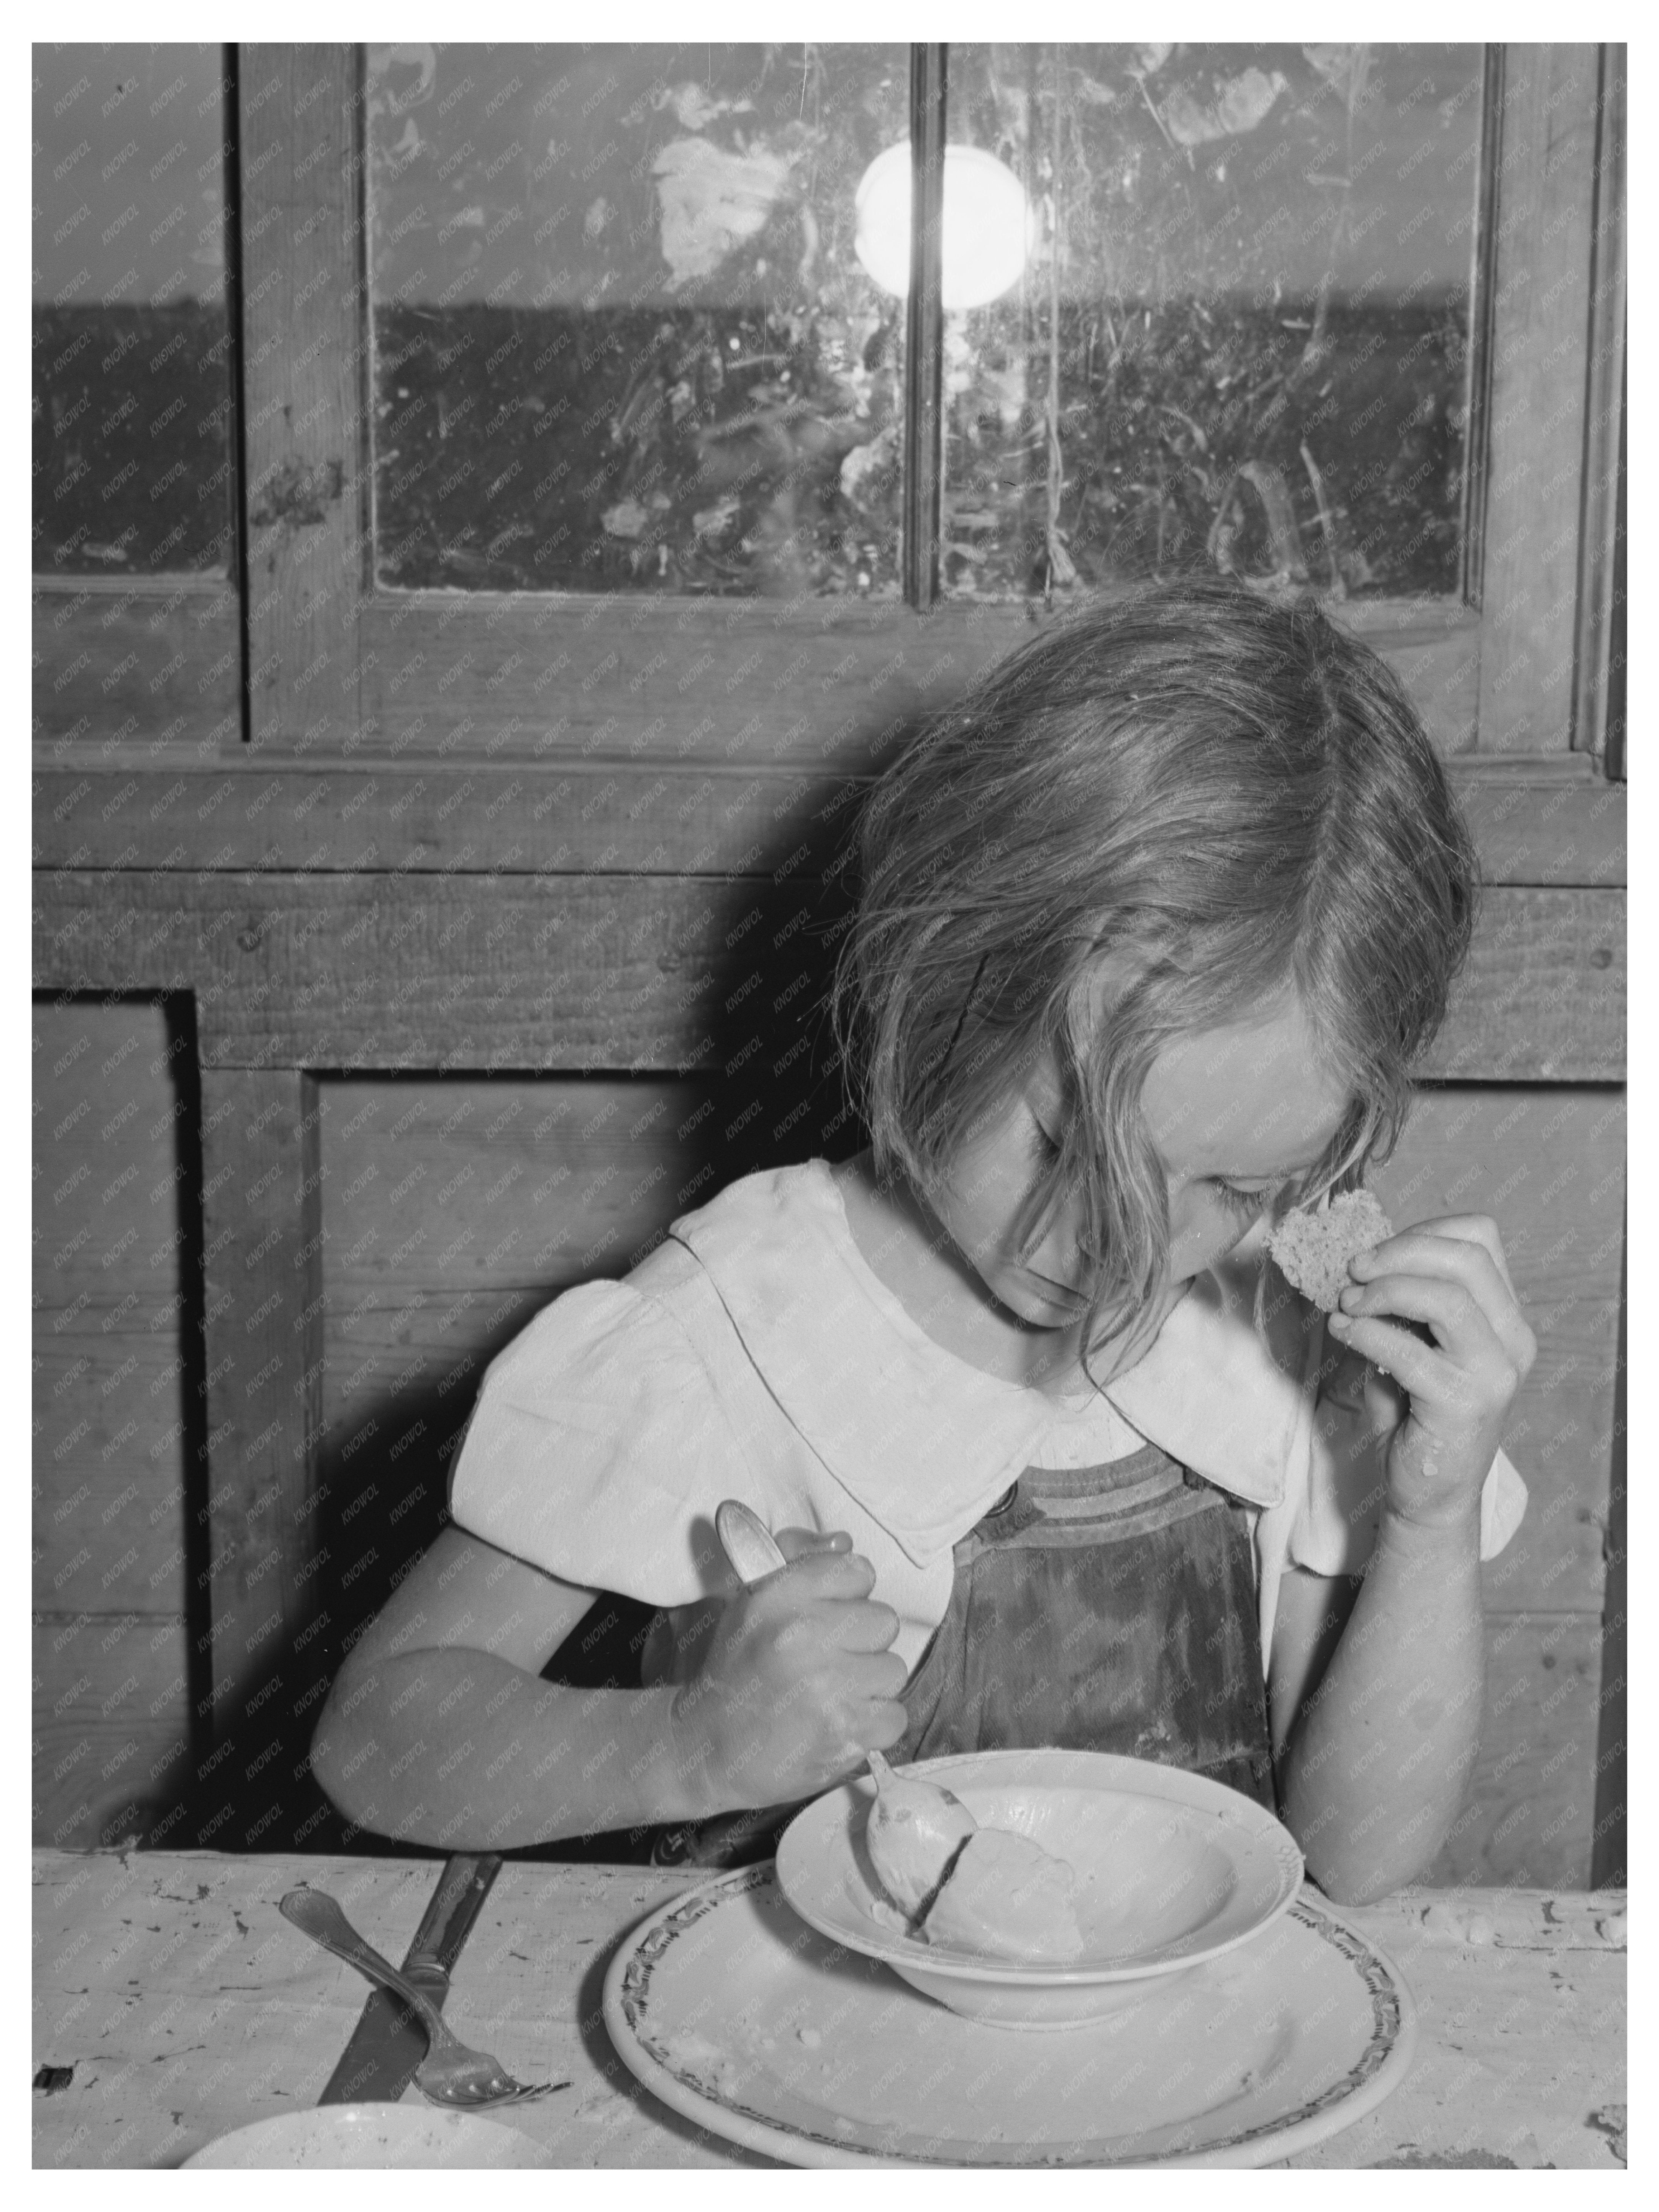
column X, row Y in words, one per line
column 988, row 233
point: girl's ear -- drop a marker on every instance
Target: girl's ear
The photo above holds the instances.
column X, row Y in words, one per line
column 1112, row 968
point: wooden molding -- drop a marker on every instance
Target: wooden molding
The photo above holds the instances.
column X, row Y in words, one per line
column 617, row 971
column 813, row 682
column 1540, row 821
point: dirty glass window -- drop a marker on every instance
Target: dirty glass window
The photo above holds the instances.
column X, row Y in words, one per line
column 131, row 384
column 621, row 336
column 1240, row 336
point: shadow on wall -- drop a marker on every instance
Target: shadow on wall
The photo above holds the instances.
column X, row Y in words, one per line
column 408, row 1334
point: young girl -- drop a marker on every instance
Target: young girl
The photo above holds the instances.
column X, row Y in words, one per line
column 1153, row 924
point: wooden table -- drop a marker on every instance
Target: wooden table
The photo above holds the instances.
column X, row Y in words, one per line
column 186, row 2006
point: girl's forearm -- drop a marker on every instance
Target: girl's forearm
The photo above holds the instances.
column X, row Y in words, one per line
column 1379, row 1761
column 457, row 1748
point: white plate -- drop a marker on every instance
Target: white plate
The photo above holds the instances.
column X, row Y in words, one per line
column 374, row 2135
column 1172, row 1870
column 736, row 2014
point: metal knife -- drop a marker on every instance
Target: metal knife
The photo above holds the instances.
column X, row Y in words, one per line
column 388, row 2042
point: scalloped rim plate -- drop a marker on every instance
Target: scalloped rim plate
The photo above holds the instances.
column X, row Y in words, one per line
column 734, row 2013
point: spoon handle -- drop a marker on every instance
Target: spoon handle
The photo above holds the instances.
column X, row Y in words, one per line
column 884, row 1777
column 318, row 1915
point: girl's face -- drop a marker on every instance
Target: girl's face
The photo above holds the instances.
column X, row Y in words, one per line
column 1235, row 1114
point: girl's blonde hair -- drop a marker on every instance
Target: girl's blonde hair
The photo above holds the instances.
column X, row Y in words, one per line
column 1228, row 796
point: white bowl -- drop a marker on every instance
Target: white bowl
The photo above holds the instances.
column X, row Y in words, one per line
column 374, row 2135
column 1173, row 1870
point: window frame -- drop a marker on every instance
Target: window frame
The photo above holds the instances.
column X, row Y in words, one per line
column 333, row 668
column 439, row 669
column 151, row 663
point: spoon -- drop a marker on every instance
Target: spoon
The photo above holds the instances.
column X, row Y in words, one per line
column 914, row 1834
column 747, row 1543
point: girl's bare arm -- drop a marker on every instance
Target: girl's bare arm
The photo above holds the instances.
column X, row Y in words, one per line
column 1374, row 1763
column 1376, row 1743
column 437, row 1729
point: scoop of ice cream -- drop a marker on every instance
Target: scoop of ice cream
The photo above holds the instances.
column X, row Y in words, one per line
column 912, row 1829
column 1007, row 1897
column 1313, row 1249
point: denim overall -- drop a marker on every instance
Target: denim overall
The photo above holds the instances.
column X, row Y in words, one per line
column 1100, row 1609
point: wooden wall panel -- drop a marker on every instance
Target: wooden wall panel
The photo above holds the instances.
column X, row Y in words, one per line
column 486, row 1186
column 106, row 1170
column 110, row 1553
column 1530, row 1812
column 109, row 1527
column 112, row 1744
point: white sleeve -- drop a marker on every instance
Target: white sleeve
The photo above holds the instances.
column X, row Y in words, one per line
column 1327, row 1520
column 597, row 1450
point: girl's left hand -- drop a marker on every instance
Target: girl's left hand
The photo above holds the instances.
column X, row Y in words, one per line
column 1450, row 1275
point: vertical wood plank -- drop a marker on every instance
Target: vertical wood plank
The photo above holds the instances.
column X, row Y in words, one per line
column 1601, row 593
column 1483, row 325
column 1546, row 148
column 262, row 1218
column 304, row 350
column 924, row 329
column 1614, row 723
column 1609, row 1839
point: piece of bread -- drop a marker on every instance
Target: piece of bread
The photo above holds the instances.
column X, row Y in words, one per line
column 1006, row 1898
column 1313, row 1249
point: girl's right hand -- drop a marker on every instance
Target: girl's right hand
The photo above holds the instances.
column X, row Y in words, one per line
column 796, row 1682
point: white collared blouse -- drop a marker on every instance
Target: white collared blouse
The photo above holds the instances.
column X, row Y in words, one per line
column 754, row 1353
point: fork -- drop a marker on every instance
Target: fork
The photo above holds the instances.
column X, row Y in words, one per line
column 451, row 2073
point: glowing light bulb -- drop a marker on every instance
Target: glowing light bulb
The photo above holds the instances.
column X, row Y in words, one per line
column 988, row 227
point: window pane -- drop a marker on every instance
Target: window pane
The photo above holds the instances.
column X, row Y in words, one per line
column 621, row 336
column 131, row 385
column 1249, row 348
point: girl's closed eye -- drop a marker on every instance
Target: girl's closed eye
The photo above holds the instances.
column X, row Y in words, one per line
column 1245, row 1203
column 1045, row 1147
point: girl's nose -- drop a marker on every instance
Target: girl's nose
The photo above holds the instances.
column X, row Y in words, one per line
column 1199, row 1231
